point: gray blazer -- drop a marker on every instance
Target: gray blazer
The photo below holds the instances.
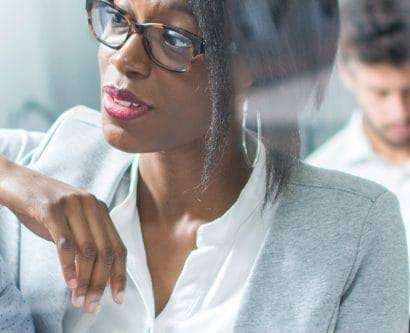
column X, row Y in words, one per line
column 335, row 258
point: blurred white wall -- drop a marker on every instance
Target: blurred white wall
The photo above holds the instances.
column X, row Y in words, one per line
column 47, row 61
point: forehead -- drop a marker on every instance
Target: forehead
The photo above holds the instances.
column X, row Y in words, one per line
column 385, row 75
column 152, row 8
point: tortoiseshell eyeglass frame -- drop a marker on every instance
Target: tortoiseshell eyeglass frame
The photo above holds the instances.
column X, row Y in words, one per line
column 140, row 28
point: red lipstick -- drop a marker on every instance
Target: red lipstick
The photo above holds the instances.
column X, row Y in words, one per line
column 123, row 105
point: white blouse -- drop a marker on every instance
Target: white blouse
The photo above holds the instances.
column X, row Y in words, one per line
column 208, row 292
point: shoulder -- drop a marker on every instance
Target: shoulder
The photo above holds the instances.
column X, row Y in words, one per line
column 21, row 145
column 332, row 202
column 80, row 114
column 334, row 183
column 344, row 213
column 334, row 235
column 359, row 224
column 343, row 205
column 16, row 144
column 76, row 130
column 349, row 231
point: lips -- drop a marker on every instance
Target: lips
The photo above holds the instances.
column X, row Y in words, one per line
column 401, row 129
column 123, row 105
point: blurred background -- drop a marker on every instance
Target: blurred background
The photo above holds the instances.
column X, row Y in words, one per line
column 48, row 63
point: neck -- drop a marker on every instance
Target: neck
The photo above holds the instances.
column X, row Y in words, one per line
column 396, row 155
column 168, row 183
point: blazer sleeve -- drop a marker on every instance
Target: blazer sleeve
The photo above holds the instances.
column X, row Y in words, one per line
column 16, row 145
column 376, row 296
column 14, row 312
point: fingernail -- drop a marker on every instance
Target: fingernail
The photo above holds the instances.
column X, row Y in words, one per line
column 119, row 298
column 72, row 284
column 79, row 301
column 92, row 307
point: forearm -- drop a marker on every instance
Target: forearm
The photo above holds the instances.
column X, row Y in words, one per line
column 12, row 183
column 6, row 168
column 17, row 184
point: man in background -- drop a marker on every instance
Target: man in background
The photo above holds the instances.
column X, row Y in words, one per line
column 375, row 66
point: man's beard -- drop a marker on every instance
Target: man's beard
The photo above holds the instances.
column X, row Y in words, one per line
column 381, row 134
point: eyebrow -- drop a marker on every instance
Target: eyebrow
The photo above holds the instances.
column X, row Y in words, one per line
column 175, row 6
column 180, row 8
column 374, row 87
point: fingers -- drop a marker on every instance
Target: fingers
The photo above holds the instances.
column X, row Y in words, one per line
column 105, row 254
column 90, row 250
column 118, row 274
column 63, row 238
column 86, row 250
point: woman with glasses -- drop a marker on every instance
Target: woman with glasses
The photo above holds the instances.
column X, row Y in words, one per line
column 194, row 222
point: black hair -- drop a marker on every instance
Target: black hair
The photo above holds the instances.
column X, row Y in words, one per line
column 278, row 39
column 376, row 31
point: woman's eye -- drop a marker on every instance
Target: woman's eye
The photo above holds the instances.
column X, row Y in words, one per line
column 117, row 19
column 175, row 39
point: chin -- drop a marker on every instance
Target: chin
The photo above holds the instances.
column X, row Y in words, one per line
column 397, row 142
column 400, row 144
column 119, row 139
column 116, row 137
column 140, row 139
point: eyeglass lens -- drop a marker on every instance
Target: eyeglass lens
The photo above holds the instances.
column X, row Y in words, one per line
column 166, row 47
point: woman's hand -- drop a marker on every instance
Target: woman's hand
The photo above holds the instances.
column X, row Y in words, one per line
column 90, row 250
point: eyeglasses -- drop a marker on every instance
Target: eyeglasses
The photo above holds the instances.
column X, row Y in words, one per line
column 169, row 47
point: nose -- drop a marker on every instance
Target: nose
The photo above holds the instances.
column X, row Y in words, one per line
column 131, row 59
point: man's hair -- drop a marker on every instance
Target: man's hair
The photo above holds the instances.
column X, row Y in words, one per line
column 278, row 39
column 375, row 31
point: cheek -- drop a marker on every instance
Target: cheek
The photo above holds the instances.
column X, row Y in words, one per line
column 378, row 113
column 192, row 98
column 185, row 121
column 372, row 105
column 186, row 101
column 182, row 116
column 103, row 60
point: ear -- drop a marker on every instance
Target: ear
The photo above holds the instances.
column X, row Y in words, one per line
column 348, row 76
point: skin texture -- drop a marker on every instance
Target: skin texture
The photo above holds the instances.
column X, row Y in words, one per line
column 89, row 248
column 173, row 96
column 172, row 140
column 383, row 93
